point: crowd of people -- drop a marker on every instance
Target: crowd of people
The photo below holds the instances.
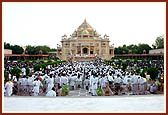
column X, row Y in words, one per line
column 89, row 76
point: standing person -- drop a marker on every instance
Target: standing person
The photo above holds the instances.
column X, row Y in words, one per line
column 14, row 78
column 8, row 88
column 117, row 82
column 86, row 84
column 134, row 84
column 153, row 87
column 94, row 85
column 128, row 84
column 142, row 82
column 23, row 71
column 23, row 85
column 72, row 82
column 50, row 83
column 78, row 81
column 110, row 79
column 64, row 79
column 30, row 84
column 37, row 83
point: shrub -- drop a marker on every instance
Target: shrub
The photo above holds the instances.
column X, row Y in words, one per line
column 49, row 61
column 65, row 90
column 99, row 92
column 16, row 71
column 6, row 75
column 37, row 67
column 153, row 72
column 27, row 71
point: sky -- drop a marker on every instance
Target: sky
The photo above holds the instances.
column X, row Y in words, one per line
column 43, row 23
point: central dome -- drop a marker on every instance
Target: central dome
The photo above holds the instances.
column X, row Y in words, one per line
column 85, row 30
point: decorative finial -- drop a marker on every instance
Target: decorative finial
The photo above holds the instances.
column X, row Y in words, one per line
column 85, row 20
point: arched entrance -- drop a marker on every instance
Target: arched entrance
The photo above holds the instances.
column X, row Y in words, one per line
column 85, row 51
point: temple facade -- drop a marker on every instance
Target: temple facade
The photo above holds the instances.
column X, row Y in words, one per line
column 85, row 44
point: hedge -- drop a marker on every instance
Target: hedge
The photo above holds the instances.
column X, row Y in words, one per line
column 44, row 65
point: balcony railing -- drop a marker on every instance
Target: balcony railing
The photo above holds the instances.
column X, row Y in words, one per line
column 85, row 55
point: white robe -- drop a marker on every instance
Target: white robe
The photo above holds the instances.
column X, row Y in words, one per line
column 51, row 93
column 36, row 88
column 8, row 87
column 50, row 84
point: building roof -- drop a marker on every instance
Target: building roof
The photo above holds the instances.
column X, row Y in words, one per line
column 156, row 51
column 85, row 29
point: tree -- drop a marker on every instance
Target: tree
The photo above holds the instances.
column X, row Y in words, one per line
column 16, row 71
column 45, row 49
column 17, row 49
column 159, row 42
column 35, row 50
column 142, row 47
column 53, row 49
column 7, row 45
column 30, row 49
column 133, row 48
column 121, row 50
column 153, row 72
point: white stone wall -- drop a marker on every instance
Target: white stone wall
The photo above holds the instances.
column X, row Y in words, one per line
column 7, row 51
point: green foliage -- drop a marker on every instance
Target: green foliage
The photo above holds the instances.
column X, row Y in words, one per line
column 153, row 72
column 16, row 71
column 124, row 65
column 54, row 58
column 65, row 90
column 99, row 92
column 6, row 75
column 138, row 70
column 37, row 67
column 44, row 65
column 49, row 61
column 134, row 49
column 15, row 48
column 142, row 47
column 159, row 42
column 35, row 49
column 7, row 45
column 30, row 49
column 27, row 71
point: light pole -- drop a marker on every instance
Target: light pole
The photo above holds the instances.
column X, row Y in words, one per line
column 162, row 80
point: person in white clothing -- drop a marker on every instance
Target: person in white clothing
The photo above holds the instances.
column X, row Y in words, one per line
column 86, row 84
column 37, row 83
column 30, row 81
column 134, row 84
column 24, row 85
column 117, row 83
column 51, row 93
column 141, row 82
column 23, row 71
column 78, row 82
column 14, row 78
column 64, row 80
column 72, row 82
column 50, row 83
column 94, row 85
column 8, row 88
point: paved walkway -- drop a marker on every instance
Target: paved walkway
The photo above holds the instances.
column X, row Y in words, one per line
column 134, row 103
column 79, row 93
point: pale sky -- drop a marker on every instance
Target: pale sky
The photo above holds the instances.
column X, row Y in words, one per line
column 43, row 23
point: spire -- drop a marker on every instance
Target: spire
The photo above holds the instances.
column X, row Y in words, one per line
column 85, row 21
